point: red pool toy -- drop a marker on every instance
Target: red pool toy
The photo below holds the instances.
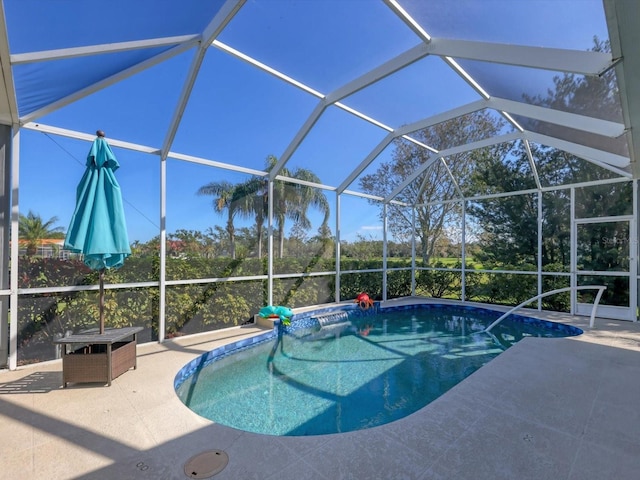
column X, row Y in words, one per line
column 364, row 301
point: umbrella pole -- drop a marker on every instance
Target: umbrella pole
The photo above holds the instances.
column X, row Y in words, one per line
column 101, row 304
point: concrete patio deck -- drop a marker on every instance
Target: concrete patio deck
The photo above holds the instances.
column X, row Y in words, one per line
column 566, row 408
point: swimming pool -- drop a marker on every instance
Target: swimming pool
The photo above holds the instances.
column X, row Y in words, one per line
column 346, row 371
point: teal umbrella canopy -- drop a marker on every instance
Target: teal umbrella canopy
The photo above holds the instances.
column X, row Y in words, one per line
column 98, row 229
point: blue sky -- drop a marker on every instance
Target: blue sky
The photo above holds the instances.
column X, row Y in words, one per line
column 238, row 114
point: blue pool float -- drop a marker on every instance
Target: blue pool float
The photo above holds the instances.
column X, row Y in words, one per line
column 283, row 313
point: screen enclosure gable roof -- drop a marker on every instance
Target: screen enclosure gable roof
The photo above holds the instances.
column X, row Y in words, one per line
column 200, row 79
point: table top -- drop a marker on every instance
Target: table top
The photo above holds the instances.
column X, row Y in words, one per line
column 110, row 336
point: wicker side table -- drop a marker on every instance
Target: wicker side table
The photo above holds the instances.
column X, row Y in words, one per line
column 98, row 357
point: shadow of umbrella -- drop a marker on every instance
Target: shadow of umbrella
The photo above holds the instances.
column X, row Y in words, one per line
column 98, row 228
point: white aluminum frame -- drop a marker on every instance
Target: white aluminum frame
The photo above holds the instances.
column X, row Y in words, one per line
column 584, row 63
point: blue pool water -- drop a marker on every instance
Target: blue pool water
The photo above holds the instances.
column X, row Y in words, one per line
column 354, row 372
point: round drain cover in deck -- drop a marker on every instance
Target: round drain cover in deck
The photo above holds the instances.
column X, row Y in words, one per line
column 206, row 464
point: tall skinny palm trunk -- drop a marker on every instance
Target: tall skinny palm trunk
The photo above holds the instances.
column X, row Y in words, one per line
column 232, row 238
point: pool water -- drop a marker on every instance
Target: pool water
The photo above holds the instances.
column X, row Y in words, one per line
column 352, row 374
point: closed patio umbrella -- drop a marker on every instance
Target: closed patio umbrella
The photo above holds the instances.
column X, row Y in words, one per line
column 98, row 229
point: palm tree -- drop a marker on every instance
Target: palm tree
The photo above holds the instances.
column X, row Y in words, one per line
column 292, row 200
column 224, row 193
column 236, row 199
column 250, row 198
column 255, row 202
column 32, row 229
